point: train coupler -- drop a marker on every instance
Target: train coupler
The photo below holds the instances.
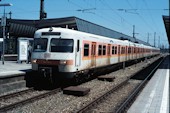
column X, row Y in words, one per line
column 47, row 72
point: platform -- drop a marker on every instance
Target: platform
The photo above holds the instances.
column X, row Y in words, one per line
column 12, row 68
column 155, row 96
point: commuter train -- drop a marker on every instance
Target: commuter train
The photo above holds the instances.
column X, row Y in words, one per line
column 70, row 53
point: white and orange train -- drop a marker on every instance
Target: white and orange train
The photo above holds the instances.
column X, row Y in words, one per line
column 71, row 53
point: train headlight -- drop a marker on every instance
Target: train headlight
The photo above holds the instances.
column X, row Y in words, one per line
column 34, row 61
column 63, row 62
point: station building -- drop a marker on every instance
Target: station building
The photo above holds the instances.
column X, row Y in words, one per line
column 17, row 28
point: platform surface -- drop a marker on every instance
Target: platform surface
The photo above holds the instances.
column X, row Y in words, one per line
column 155, row 96
column 11, row 68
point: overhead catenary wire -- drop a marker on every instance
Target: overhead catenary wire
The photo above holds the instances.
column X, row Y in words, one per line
column 141, row 17
column 151, row 15
column 97, row 14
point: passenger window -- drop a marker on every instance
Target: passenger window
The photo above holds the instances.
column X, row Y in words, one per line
column 104, row 50
column 78, row 45
column 113, row 49
column 129, row 50
column 86, row 49
column 100, row 50
column 61, row 45
column 121, row 50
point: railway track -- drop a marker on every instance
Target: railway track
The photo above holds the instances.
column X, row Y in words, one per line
column 126, row 102
column 15, row 93
column 7, row 104
column 136, row 91
column 102, row 97
column 66, row 103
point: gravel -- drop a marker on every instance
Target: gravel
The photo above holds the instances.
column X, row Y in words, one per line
column 19, row 97
column 115, row 99
column 62, row 103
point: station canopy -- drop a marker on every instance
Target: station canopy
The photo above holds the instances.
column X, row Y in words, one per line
column 27, row 28
column 166, row 20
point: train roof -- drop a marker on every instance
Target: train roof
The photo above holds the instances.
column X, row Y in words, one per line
column 71, row 31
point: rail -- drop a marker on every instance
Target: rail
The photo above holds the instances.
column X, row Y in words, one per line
column 129, row 100
column 102, row 97
column 26, row 101
column 15, row 93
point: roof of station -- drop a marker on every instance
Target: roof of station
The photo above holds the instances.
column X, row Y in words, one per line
column 166, row 20
column 27, row 28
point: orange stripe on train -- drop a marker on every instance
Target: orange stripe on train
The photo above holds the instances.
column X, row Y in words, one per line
column 53, row 62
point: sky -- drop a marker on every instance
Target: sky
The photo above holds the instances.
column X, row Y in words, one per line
column 118, row 15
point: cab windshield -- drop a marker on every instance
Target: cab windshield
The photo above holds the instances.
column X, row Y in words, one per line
column 40, row 44
column 61, row 45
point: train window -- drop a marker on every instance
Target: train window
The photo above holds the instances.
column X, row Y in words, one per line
column 136, row 50
column 104, row 50
column 40, row 44
column 129, row 50
column 78, row 45
column 115, row 49
column 61, row 45
column 122, row 50
column 86, row 49
column 92, row 50
column 100, row 50
column 50, row 33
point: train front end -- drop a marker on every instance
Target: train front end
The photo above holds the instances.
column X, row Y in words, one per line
column 53, row 53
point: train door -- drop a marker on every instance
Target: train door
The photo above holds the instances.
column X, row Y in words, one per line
column 132, row 53
column 126, row 53
column 135, row 53
column 78, row 54
column 108, row 54
column 119, row 53
column 93, row 54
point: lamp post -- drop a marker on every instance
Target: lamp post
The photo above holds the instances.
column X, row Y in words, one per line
column 3, row 24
